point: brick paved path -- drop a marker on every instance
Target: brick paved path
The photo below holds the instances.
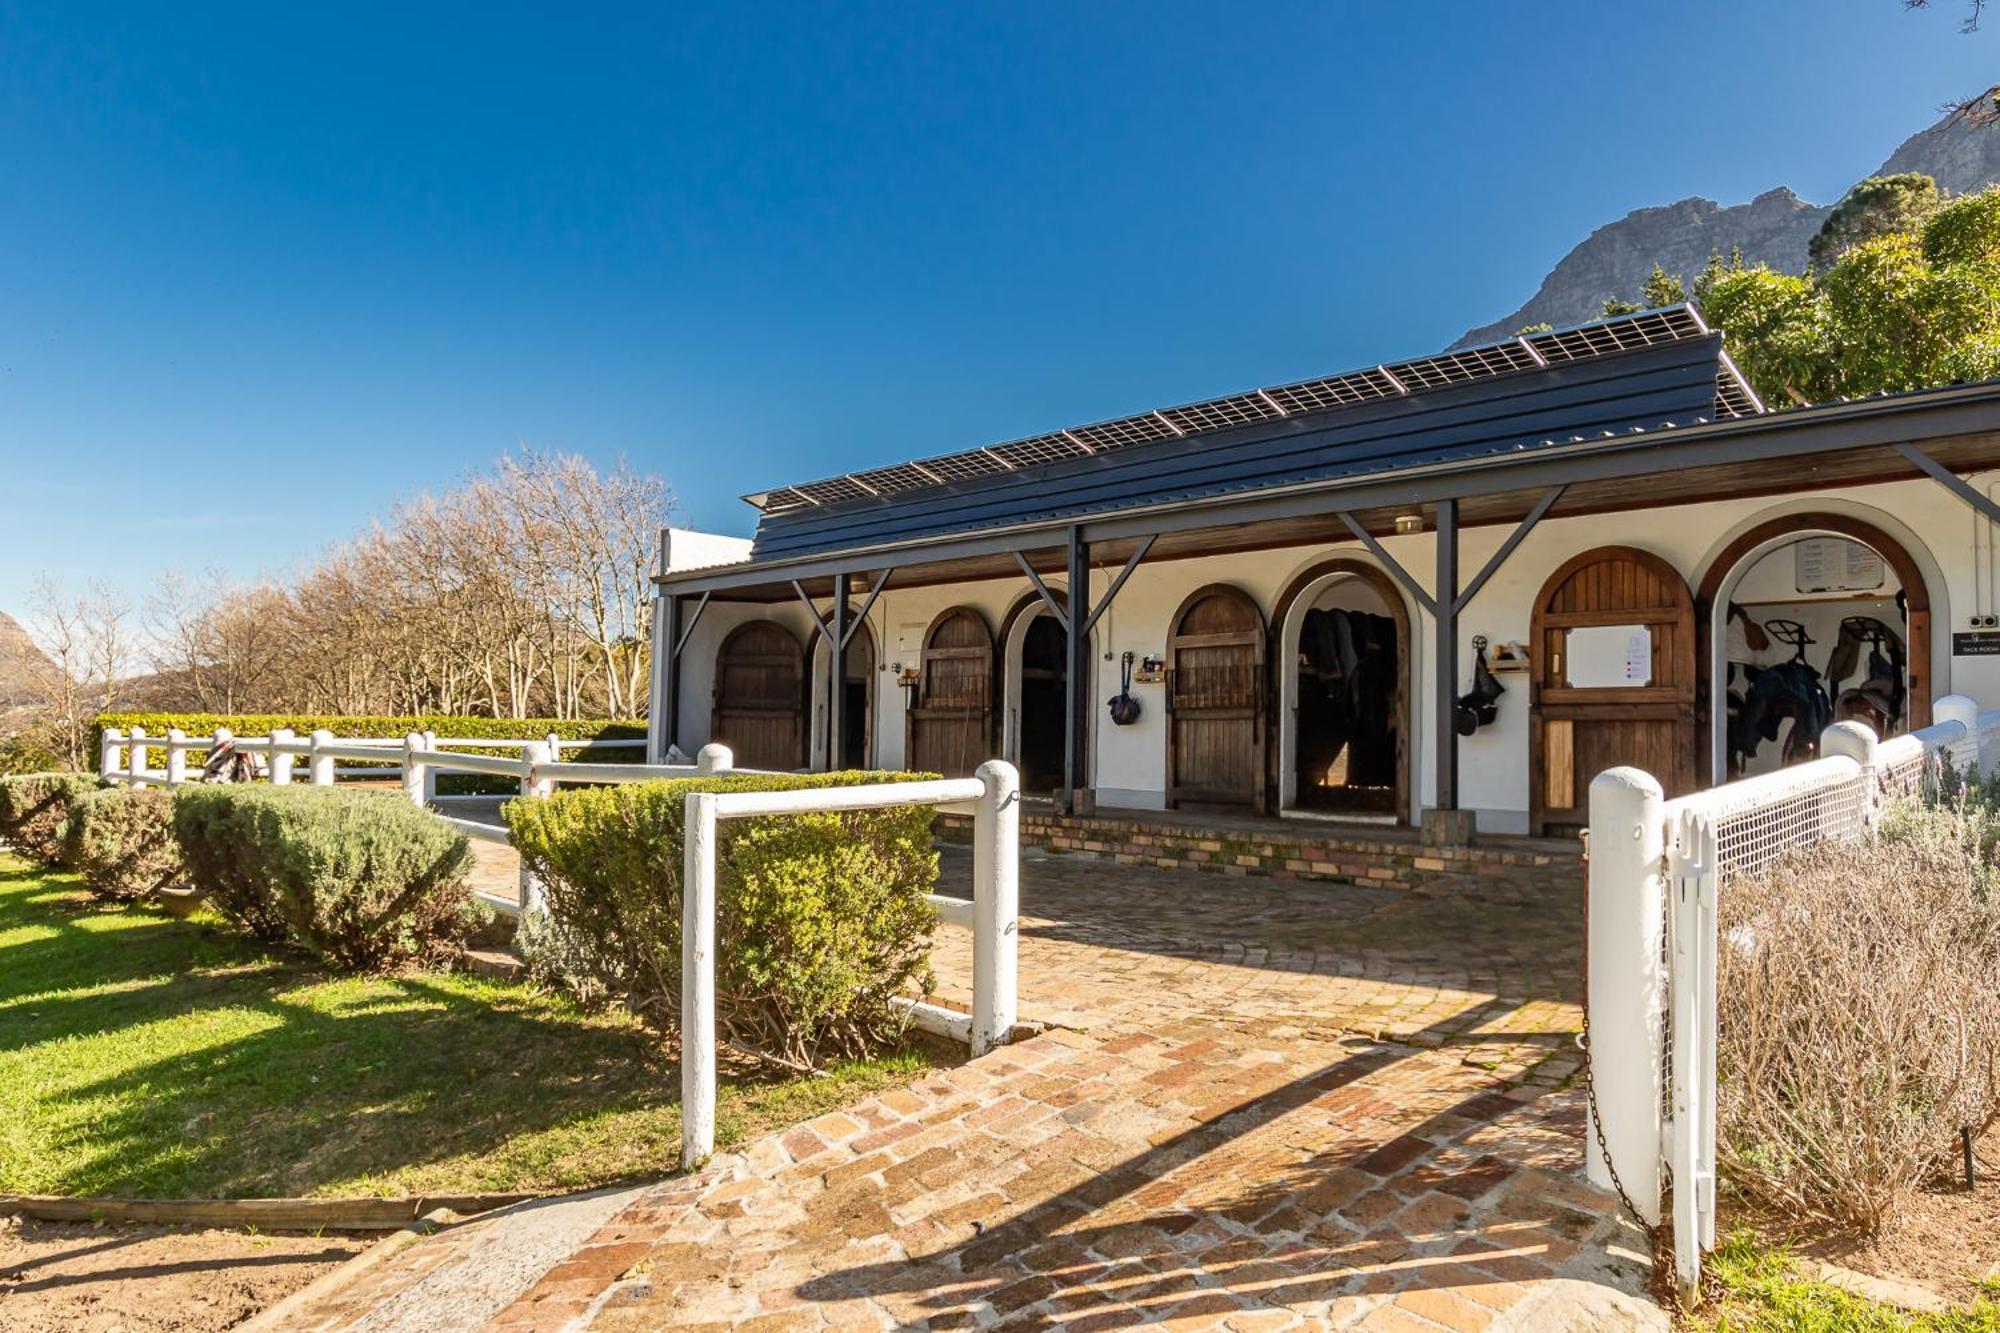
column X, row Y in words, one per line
column 1274, row 1107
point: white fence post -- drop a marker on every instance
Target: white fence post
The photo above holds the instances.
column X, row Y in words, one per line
column 996, row 893
column 136, row 753
column 1964, row 752
column 1691, row 1140
column 319, row 767
column 1625, row 1000
column 430, row 772
column 107, row 753
column 698, row 981
column 177, row 761
column 416, row 773
column 1856, row 741
column 534, row 787
column 281, row 762
column 714, row 759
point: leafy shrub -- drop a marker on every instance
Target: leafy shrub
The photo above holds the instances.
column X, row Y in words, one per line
column 121, row 840
column 821, row 919
column 34, row 808
column 1859, row 996
column 27, row 753
column 360, row 879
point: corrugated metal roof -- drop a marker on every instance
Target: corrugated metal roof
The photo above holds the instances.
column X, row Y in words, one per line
column 1732, row 397
column 1572, row 398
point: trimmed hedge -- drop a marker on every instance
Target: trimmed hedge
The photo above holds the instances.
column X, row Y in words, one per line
column 34, row 807
column 372, row 724
column 359, row 879
column 121, row 840
column 390, row 727
column 821, row 918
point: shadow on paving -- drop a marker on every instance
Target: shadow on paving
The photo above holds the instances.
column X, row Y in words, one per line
column 1187, row 1215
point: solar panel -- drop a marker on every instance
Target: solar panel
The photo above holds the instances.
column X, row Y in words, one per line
column 1733, row 398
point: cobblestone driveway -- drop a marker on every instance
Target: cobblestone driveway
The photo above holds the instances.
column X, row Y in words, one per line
column 1268, row 1106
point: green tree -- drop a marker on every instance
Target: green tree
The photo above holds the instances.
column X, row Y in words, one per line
column 1660, row 289
column 1908, row 309
column 1878, row 206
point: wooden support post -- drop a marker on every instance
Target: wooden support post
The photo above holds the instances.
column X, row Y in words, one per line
column 666, row 705
column 836, row 677
column 1445, row 597
column 1078, row 799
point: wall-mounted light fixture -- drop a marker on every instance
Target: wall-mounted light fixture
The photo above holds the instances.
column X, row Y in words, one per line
column 1408, row 525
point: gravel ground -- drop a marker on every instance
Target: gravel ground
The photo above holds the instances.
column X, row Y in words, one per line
column 77, row 1277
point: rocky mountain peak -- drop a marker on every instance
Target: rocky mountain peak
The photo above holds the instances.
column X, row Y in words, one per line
column 1774, row 228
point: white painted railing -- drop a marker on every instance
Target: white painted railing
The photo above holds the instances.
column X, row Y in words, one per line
column 992, row 796
column 1656, row 867
column 420, row 757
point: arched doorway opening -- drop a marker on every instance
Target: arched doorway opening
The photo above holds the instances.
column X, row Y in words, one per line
column 1034, row 692
column 1341, row 666
column 858, row 690
column 950, row 724
column 1216, row 692
column 1809, row 619
column 759, row 704
column 1612, row 643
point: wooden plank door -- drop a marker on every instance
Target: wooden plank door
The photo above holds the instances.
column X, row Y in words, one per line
column 760, row 697
column 1584, row 718
column 951, row 723
column 1216, row 701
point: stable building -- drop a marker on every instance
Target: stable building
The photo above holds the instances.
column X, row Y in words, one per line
column 1437, row 594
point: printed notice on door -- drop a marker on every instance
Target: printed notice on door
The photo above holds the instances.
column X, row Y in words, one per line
column 1609, row 656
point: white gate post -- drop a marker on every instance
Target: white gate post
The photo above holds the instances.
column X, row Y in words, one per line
column 1625, row 1001
column 1856, row 741
column 107, row 753
column 698, row 980
column 714, row 758
column 1964, row 711
column 281, row 760
column 136, row 753
column 177, row 761
column 320, row 766
column 996, row 893
column 416, row 773
column 534, row 788
column 430, row 773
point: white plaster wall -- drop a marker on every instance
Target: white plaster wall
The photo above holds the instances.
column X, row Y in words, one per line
column 688, row 549
column 1130, row 764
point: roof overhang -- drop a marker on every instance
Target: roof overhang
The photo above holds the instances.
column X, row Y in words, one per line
column 1811, row 448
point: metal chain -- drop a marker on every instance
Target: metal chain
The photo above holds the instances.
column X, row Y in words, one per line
column 1597, row 1123
column 1657, row 1233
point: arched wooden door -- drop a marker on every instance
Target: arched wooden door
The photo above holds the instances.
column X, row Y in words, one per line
column 1613, row 647
column 760, row 697
column 1216, row 701
column 951, row 722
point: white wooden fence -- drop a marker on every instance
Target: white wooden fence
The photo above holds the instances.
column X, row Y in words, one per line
column 991, row 796
column 1656, row 867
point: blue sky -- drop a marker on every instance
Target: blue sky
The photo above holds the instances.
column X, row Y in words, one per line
column 263, row 272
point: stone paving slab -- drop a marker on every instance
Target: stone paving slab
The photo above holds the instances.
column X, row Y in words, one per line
column 1271, row 1106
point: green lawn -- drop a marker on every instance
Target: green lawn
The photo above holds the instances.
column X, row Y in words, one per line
column 1762, row 1289
column 140, row 1055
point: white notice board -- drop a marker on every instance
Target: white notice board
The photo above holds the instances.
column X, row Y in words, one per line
column 1835, row 564
column 1607, row 656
